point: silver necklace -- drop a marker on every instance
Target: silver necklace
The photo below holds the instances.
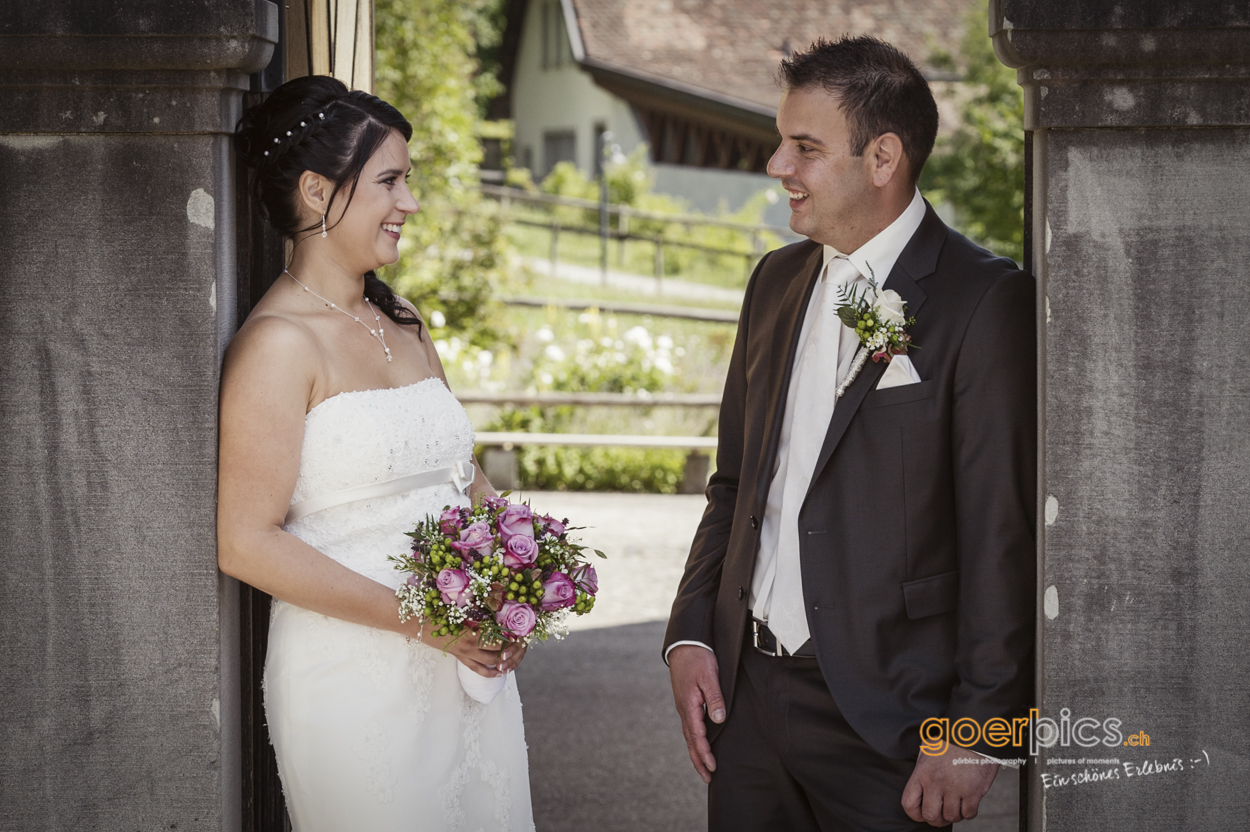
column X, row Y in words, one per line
column 376, row 333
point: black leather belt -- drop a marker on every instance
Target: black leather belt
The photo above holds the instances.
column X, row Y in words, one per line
column 763, row 640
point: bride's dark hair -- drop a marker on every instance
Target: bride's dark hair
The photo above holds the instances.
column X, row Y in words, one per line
column 315, row 123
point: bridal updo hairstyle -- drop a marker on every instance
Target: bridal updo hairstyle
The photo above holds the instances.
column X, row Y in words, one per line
column 315, row 123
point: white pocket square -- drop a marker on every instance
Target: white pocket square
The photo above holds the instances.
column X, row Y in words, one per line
column 899, row 372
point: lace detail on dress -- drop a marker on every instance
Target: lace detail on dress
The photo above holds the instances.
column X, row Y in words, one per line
column 370, row 747
column 450, row 793
column 368, row 659
column 421, row 672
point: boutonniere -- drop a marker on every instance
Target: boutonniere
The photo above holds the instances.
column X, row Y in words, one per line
column 879, row 319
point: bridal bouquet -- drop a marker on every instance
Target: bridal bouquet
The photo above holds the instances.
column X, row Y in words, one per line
column 496, row 569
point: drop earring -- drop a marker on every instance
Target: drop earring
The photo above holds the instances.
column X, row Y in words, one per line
column 323, row 225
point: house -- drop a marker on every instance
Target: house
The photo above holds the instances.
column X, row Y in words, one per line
column 693, row 79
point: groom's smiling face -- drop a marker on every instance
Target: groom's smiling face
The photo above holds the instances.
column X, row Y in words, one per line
column 830, row 190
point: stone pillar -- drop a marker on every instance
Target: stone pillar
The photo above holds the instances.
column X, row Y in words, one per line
column 1139, row 114
column 119, row 677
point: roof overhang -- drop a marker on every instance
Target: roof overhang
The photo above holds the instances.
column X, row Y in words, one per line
column 714, row 109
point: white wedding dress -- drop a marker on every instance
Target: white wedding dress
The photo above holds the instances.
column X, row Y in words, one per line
column 372, row 730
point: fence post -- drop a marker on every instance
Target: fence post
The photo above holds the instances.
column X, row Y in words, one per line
column 694, row 477
column 622, row 230
column 659, row 263
column 555, row 244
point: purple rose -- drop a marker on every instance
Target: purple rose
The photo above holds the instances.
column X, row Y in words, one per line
column 558, row 592
column 454, row 585
column 516, row 519
column 449, row 521
column 554, row 526
column 494, row 503
column 476, row 537
column 588, row 580
column 520, row 552
column 516, row 619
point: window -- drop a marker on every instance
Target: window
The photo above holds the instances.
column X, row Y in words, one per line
column 558, row 146
column 597, row 150
column 546, row 15
column 553, row 34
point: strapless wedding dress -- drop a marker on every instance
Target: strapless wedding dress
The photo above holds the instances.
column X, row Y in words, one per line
column 372, row 730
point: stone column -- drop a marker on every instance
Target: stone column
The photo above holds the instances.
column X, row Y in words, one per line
column 119, row 672
column 1139, row 115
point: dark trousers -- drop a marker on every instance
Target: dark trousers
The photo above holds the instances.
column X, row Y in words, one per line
column 787, row 761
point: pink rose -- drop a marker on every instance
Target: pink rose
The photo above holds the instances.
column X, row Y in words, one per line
column 588, row 580
column 476, row 537
column 516, row 619
column 449, row 521
column 558, row 592
column 519, row 552
column 454, row 585
column 516, row 519
column 554, row 526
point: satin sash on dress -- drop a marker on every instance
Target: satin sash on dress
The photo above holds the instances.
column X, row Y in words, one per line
column 460, row 474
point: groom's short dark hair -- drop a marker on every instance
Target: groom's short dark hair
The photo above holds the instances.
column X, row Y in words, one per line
column 880, row 90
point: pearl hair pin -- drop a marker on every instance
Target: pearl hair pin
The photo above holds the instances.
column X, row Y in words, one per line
column 378, row 333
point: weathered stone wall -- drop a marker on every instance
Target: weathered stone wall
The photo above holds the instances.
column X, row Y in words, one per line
column 1141, row 241
column 120, row 647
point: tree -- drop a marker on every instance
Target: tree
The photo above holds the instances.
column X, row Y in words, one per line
column 453, row 253
column 979, row 169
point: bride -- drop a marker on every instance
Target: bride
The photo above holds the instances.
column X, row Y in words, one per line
column 331, row 385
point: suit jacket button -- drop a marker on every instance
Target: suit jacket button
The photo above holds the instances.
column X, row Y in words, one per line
column 741, row 593
column 755, row 524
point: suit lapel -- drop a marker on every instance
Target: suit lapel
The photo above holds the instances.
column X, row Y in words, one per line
column 785, row 346
column 917, row 261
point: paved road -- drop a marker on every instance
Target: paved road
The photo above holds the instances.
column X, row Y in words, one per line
column 606, row 753
column 635, row 283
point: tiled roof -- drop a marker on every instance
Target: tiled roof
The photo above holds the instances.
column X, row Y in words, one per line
column 732, row 47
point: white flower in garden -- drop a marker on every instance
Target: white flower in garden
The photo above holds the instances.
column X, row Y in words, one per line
column 437, row 319
column 889, row 308
column 545, row 334
column 639, row 335
column 664, row 342
column 554, row 353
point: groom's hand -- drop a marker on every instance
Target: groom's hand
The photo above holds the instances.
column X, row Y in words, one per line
column 941, row 792
column 693, row 671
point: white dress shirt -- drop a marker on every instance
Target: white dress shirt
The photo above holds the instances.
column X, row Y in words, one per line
column 875, row 258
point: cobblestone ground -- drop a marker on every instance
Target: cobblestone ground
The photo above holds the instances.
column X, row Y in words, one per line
column 606, row 752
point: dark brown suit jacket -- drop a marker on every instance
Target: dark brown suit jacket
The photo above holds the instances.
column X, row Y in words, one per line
column 917, row 533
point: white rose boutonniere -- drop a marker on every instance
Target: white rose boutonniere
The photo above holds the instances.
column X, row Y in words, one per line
column 890, row 308
column 880, row 320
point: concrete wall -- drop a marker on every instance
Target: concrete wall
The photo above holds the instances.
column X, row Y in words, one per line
column 120, row 638
column 1141, row 243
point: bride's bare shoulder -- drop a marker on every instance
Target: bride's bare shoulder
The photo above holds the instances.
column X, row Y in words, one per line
column 273, row 342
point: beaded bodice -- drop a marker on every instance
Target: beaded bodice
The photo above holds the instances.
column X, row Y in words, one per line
column 369, row 436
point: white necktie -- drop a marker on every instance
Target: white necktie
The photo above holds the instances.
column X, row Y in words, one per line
column 819, row 369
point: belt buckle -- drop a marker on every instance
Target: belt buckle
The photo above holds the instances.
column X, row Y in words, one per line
column 777, row 650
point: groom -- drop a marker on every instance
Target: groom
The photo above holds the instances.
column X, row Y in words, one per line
column 865, row 562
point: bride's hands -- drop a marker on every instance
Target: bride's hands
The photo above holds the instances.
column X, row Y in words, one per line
column 482, row 661
column 511, row 656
